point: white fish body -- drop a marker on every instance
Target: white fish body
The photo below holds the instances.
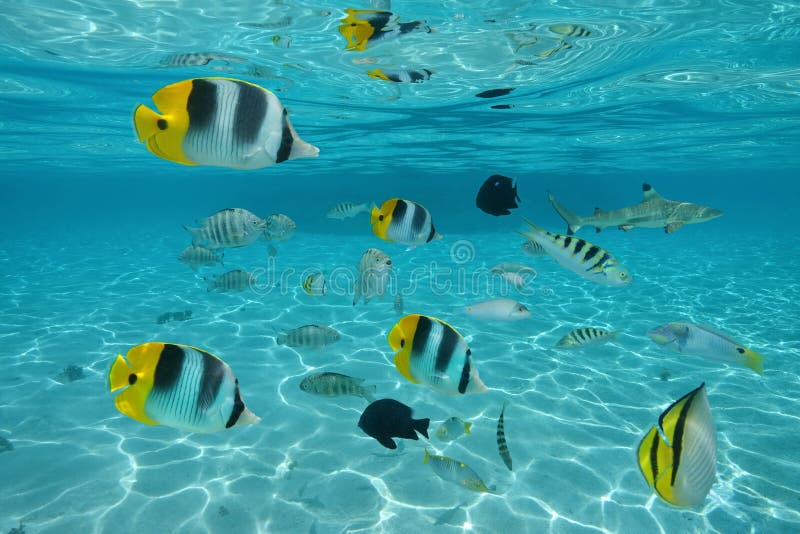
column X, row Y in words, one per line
column 195, row 256
column 347, row 210
column 455, row 471
column 278, row 227
column 374, row 274
column 533, row 249
column 231, row 281
column 501, row 309
column 228, row 228
column 310, row 336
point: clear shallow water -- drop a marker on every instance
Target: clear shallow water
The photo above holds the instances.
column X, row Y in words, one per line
column 698, row 99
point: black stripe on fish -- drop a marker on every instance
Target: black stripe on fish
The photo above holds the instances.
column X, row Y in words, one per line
column 399, row 211
column 169, row 367
column 444, row 353
column 579, row 245
column 591, row 253
column 502, row 446
column 600, row 262
column 654, row 456
column 238, row 407
column 251, row 110
column 421, row 335
column 210, row 381
column 431, row 234
column 567, row 241
column 287, row 139
column 202, row 104
column 677, row 438
column 463, row 381
column 419, row 217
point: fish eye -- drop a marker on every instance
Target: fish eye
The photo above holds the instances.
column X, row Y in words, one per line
column 162, row 124
column 402, row 343
column 132, row 378
column 623, row 275
column 740, row 349
column 521, row 308
column 380, row 217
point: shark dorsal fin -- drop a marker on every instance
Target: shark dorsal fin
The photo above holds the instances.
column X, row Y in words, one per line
column 650, row 193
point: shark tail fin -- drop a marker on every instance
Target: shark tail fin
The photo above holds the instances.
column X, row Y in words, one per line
column 574, row 222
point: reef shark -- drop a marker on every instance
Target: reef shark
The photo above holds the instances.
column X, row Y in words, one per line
column 654, row 211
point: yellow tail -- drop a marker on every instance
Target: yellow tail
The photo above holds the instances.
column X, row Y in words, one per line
column 753, row 360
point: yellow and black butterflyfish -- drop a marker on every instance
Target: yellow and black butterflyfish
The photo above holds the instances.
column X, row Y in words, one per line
column 403, row 221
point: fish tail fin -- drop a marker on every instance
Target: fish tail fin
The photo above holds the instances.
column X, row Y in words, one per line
column 369, row 393
column 302, row 149
column 753, row 360
column 145, row 120
column 421, row 426
column 195, row 233
column 467, row 428
column 574, row 222
column 119, row 373
column 247, row 418
column 280, row 339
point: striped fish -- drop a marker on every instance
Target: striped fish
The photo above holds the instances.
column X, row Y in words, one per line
column 311, row 336
column 532, row 248
column 433, row 353
column 220, row 122
column 455, row 471
column 178, row 386
column 228, row 228
column 196, row 59
column 278, row 227
column 581, row 257
column 403, row 221
column 570, row 30
column 336, row 385
column 585, row 336
column 502, row 447
column 231, row 282
column 401, row 76
column 374, row 274
column 347, row 210
column 678, row 457
column 365, row 27
column 195, row 256
column 314, row 285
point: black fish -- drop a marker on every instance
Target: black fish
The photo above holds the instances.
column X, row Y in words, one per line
column 497, row 195
column 494, row 93
column 385, row 419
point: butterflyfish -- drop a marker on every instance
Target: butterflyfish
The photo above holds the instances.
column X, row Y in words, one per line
column 403, row 221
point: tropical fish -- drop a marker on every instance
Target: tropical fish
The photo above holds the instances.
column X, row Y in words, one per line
column 278, row 227
column 570, row 30
column 654, row 211
column 231, row 282
column 196, row 59
column 585, row 336
column 678, row 457
column 398, row 303
column 403, row 221
column 347, row 210
column 178, row 386
column 385, row 419
column 174, row 316
column 502, row 447
column 282, row 41
column 195, row 256
column 220, row 122
column 697, row 340
column 516, row 274
column 311, row 336
column 494, row 93
column 455, row 471
column 314, row 285
column 497, row 196
column 374, row 273
column 581, row 257
column 335, row 385
column 365, row 27
column 500, row 309
column 401, row 75
column 533, row 249
column 228, row 228
column 433, row 353
column 452, row 429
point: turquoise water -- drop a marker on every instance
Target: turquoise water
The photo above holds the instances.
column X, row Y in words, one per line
column 698, row 99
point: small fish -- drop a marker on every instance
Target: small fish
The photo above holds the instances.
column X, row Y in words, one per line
column 365, row 27
column 228, row 228
column 71, row 373
column 335, row 385
column 698, row 340
column 204, row 122
column 401, row 76
column 310, row 336
column 196, row 59
column 282, row 41
column 502, row 106
column 432, row 353
column 195, row 256
column 500, row 309
column 494, row 93
column 5, row 445
column 164, row 318
column 581, row 257
column 665, row 375
column 178, row 386
column 452, row 429
column 314, row 285
column 533, row 249
column 374, row 273
column 398, row 303
column 182, row 315
column 582, row 337
column 570, row 30
column 347, row 210
column 516, row 274
column 231, row 282
column 502, row 447
column 497, row 196
column 403, row 221
column 678, row 457
column 455, row 471
column 385, row 419
column 278, row 227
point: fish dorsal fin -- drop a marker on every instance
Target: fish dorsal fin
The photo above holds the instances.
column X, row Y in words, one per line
column 649, row 193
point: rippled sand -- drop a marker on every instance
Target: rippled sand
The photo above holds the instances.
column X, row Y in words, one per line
column 573, row 421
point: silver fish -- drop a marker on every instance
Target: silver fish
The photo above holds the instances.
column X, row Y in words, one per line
column 278, row 227
column 232, row 227
column 455, row 471
column 514, row 273
column 196, row 59
column 310, row 336
column 335, row 385
column 232, row 281
column 654, row 211
column 533, row 249
column 195, row 256
column 502, row 447
column 374, row 273
column 347, row 210
column 585, row 336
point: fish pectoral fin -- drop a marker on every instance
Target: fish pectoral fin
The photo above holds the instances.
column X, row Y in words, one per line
column 673, row 227
column 387, row 442
column 402, row 360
